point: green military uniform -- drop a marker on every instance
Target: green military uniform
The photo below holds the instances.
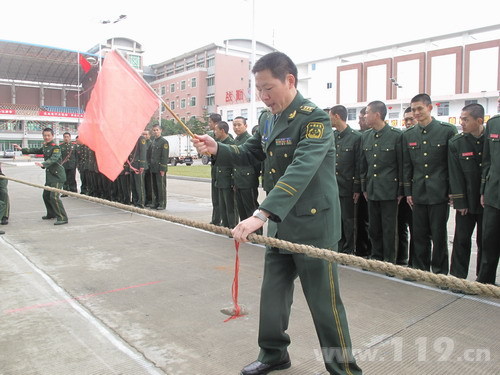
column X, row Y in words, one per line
column 137, row 159
column 490, row 188
column 224, row 183
column 464, row 166
column 148, row 178
column 304, row 208
column 216, row 218
column 363, row 243
column 81, row 155
column 4, row 200
column 348, row 146
column 425, row 175
column 54, row 177
column 381, row 179
column 92, row 170
column 246, row 183
column 159, row 163
column 69, row 157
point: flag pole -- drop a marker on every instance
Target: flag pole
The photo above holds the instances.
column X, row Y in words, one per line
column 188, row 131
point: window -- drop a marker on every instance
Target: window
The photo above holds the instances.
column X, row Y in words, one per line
column 183, row 103
column 183, row 85
column 473, row 101
column 443, row 108
column 172, row 87
column 393, row 115
column 163, row 108
column 313, row 66
column 211, row 100
column 329, row 85
column 210, row 62
column 192, row 101
column 244, row 113
column 230, row 116
column 135, row 61
column 351, row 114
column 193, row 82
column 211, row 81
column 163, row 90
column 183, row 119
column 172, row 105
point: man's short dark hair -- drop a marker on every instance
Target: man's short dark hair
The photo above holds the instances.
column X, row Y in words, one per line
column 215, row 117
column 408, row 110
column 68, row 133
column 222, row 125
column 424, row 98
column 475, row 110
column 156, row 126
column 241, row 118
column 378, row 107
column 363, row 111
column 279, row 64
column 339, row 110
column 48, row 130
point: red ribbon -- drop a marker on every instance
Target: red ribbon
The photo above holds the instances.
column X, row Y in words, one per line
column 234, row 290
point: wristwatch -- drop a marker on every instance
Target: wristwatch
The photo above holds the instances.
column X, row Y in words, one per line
column 258, row 214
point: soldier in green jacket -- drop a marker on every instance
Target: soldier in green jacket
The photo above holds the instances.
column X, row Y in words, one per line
column 137, row 162
column 246, row 179
column 490, row 198
column 213, row 120
column 69, row 157
column 425, row 176
column 148, row 178
column 381, row 180
column 302, row 207
column 464, row 165
column 81, row 154
column 348, row 146
column 159, row 167
column 54, row 176
column 4, row 200
column 224, row 181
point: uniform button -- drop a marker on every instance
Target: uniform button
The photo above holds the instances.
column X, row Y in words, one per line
column 374, row 175
column 426, row 165
column 425, row 153
column 313, row 211
column 375, row 145
column 248, row 174
column 273, row 170
column 270, row 153
column 477, row 142
column 426, row 176
column 424, row 142
column 480, row 164
column 375, row 165
column 336, row 173
column 286, row 155
column 425, row 131
column 337, row 155
column 479, row 153
column 374, row 155
column 376, row 135
column 336, row 164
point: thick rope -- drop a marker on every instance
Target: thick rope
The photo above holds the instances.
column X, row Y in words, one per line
column 452, row 282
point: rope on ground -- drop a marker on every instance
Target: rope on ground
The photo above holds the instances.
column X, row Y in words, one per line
column 451, row 282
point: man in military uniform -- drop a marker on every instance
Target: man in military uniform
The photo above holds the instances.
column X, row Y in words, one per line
column 246, row 179
column 159, row 167
column 68, row 155
column 363, row 243
column 425, row 175
column 348, row 146
column 137, row 163
column 381, row 180
column 81, row 154
column 148, row 178
column 403, row 251
column 464, row 165
column 54, row 175
column 490, row 199
column 303, row 207
column 213, row 120
column 224, row 181
column 4, row 200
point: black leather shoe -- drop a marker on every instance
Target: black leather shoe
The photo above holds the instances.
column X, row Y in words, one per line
column 47, row 217
column 259, row 368
column 2, row 232
column 64, row 195
column 61, row 222
column 5, row 220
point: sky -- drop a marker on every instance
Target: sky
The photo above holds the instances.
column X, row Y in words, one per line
column 305, row 30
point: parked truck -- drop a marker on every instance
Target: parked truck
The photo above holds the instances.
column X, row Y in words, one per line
column 181, row 149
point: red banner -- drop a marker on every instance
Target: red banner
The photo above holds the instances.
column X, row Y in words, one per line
column 60, row 114
column 7, row 111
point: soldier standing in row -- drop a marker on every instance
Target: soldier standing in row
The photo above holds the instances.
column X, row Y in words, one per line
column 348, row 148
column 381, row 180
column 464, row 165
column 425, row 152
column 54, row 176
column 159, row 166
column 490, row 198
column 68, row 155
column 4, row 200
column 137, row 162
column 246, row 179
column 148, row 181
column 213, row 120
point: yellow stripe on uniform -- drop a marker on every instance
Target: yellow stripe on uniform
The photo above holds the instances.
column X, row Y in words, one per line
column 281, row 182
column 337, row 319
column 282, row 188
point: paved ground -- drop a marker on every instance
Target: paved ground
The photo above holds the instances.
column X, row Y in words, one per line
column 120, row 293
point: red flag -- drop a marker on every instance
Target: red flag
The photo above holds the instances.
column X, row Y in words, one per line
column 119, row 109
column 84, row 63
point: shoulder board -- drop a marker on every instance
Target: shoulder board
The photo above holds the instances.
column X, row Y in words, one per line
column 456, row 137
column 493, row 118
column 445, row 123
column 395, row 129
column 306, row 109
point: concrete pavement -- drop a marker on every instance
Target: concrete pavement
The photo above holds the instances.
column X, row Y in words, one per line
column 119, row 293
